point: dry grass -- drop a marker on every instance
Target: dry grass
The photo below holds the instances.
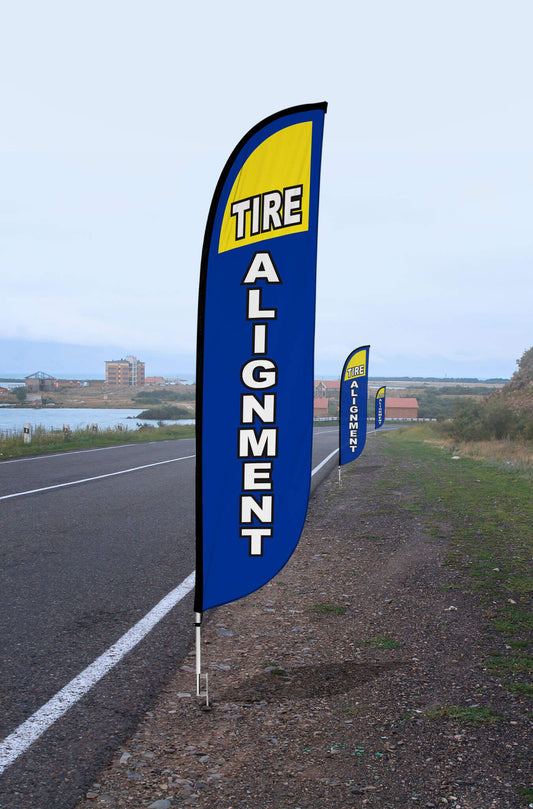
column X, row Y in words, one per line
column 513, row 453
column 517, row 455
column 104, row 396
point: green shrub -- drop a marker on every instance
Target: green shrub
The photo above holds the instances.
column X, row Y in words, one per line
column 165, row 412
column 491, row 419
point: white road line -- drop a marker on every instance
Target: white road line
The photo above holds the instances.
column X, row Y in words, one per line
column 65, row 454
column 30, row 730
column 69, row 452
column 324, row 462
column 97, row 477
column 330, row 456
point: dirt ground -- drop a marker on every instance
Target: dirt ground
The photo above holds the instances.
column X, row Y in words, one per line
column 336, row 685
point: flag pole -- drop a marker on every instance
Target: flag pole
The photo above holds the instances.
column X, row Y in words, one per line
column 199, row 675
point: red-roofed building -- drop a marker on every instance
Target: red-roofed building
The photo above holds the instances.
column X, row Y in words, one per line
column 320, row 408
column 327, row 388
column 402, row 408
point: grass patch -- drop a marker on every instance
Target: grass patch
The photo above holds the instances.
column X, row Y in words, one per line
column 381, row 643
column 46, row 441
column 504, row 665
column 465, row 715
column 520, row 584
column 514, row 622
column 526, row 689
column 514, row 669
column 526, row 795
column 328, row 609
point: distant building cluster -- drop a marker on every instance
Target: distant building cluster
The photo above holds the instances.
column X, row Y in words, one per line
column 326, row 399
column 326, row 402
column 327, row 389
column 127, row 371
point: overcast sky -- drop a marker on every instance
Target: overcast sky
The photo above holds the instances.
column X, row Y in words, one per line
column 117, row 118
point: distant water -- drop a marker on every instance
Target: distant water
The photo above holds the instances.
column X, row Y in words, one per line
column 14, row 418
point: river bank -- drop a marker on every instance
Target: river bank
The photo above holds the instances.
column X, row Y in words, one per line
column 13, row 419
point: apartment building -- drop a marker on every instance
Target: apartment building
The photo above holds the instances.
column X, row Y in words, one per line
column 127, row 371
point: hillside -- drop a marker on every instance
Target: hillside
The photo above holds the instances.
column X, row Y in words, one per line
column 518, row 392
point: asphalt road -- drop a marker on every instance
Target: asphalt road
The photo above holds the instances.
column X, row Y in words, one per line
column 90, row 543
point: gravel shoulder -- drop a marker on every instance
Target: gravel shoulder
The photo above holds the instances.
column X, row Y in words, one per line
column 356, row 678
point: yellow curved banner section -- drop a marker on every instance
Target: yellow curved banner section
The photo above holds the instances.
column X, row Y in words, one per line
column 356, row 366
column 380, row 394
column 270, row 196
